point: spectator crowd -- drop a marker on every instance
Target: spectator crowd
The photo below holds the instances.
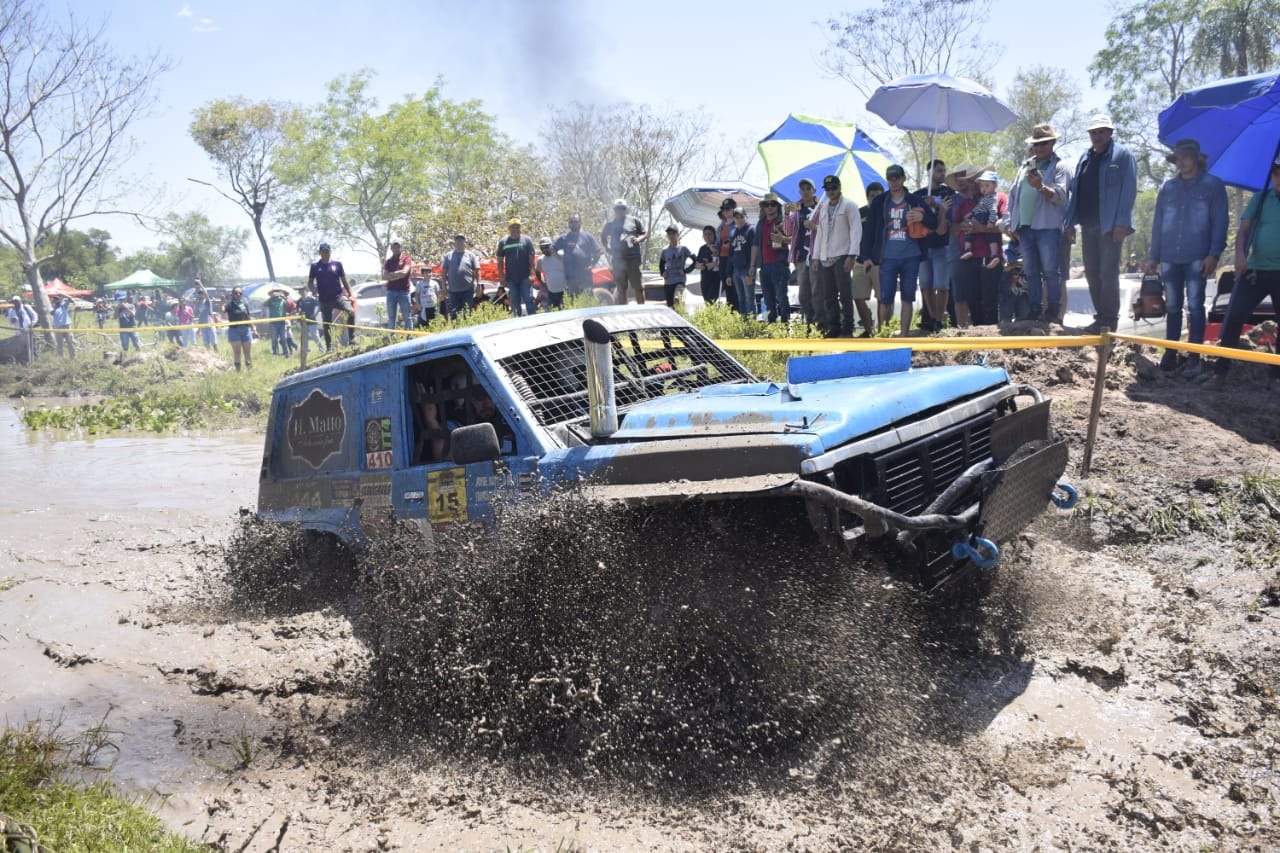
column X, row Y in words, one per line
column 967, row 252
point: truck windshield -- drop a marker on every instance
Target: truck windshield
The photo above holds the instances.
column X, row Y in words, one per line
column 647, row 363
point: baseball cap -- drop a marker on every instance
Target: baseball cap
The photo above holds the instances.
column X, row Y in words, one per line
column 513, row 221
column 1098, row 121
column 895, row 171
column 671, row 229
column 728, row 203
column 324, row 246
column 544, row 241
column 460, row 237
column 989, row 176
column 831, row 182
column 621, row 202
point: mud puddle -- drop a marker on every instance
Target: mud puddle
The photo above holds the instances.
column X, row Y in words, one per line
column 1115, row 688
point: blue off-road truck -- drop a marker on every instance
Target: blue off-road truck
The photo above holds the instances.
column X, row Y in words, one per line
column 634, row 404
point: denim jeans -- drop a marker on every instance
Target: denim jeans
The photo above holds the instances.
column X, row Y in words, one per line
column 1102, row 270
column 935, row 270
column 899, row 275
column 278, row 345
column 127, row 338
column 773, row 281
column 398, row 300
column 1183, row 280
column 521, row 292
column 1040, row 263
column 744, row 288
column 459, row 303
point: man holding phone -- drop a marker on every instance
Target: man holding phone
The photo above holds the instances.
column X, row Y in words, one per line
column 1037, row 211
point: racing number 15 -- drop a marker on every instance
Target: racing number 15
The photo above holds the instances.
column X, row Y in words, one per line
column 448, row 495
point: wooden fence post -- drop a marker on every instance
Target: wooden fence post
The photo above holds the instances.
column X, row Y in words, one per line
column 1095, row 408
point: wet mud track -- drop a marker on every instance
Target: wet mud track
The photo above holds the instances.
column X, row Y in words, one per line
column 1115, row 687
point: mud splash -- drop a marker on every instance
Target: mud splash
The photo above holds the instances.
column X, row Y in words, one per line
column 675, row 649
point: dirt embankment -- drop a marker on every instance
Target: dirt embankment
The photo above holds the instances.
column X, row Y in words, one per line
column 1115, row 687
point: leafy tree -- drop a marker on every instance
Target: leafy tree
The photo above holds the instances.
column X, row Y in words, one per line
column 86, row 259
column 513, row 183
column 876, row 45
column 242, row 139
column 67, row 104
column 1238, row 37
column 193, row 247
column 1148, row 61
column 625, row 151
column 357, row 174
column 872, row 46
column 1038, row 95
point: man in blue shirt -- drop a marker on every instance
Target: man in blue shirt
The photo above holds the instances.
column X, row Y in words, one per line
column 62, row 320
column 328, row 281
column 581, row 251
column 1102, row 195
column 1188, row 235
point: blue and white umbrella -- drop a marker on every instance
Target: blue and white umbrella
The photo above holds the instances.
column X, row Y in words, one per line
column 805, row 147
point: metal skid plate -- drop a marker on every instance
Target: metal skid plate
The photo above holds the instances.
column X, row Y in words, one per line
column 1016, row 493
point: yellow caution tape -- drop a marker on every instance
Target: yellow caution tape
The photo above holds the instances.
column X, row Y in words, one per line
column 917, row 344
column 1204, row 349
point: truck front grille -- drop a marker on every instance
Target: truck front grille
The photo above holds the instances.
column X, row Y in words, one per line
column 910, row 477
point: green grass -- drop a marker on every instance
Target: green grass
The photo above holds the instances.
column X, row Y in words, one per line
column 41, row 786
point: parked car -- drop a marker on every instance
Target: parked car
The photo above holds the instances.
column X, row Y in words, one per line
column 634, row 404
column 1080, row 309
column 371, row 303
column 1217, row 310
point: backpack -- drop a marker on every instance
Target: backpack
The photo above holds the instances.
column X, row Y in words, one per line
column 1149, row 303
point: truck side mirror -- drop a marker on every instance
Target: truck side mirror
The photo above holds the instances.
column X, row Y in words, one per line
column 475, row 443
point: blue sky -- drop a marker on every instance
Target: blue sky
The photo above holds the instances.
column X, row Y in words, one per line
column 663, row 52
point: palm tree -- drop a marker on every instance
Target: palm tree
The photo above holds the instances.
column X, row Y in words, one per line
column 1238, row 37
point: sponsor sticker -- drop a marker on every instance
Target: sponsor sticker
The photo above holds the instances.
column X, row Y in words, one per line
column 377, row 443
column 447, row 495
column 316, row 428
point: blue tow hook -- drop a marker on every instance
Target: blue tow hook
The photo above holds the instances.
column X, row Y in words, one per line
column 972, row 549
column 1067, row 499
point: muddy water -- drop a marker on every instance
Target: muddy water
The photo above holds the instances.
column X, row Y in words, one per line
column 91, row 529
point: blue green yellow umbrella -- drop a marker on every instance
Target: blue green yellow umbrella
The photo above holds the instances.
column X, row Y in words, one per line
column 806, row 147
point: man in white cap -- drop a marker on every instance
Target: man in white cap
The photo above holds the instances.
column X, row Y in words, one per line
column 1102, row 195
column 621, row 238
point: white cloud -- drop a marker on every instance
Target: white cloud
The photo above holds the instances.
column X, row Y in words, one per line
column 185, row 11
column 205, row 25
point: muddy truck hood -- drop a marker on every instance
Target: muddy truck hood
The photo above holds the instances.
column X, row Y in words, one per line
column 834, row 410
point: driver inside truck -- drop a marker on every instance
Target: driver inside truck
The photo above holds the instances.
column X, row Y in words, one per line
column 478, row 408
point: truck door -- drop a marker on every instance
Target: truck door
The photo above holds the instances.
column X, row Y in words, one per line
column 445, row 393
